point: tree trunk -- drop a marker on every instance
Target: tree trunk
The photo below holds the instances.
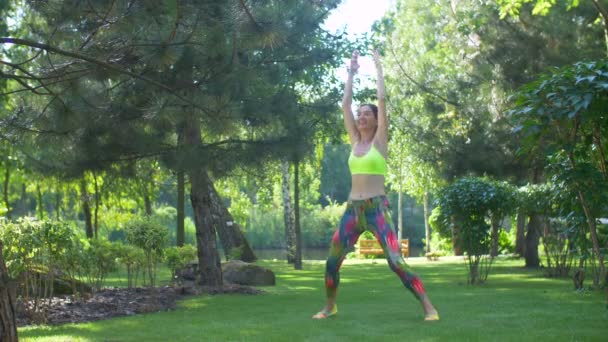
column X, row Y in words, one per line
column 147, row 200
column 400, row 215
column 456, row 238
column 520, row 234
column 532, row 239
column 427, row 226
column 208, row 256
column 97, row 197
column 7, row 177
column 86, row 208
column 181, row 209
column 288, row 217
column 599, row 281
column 231, row 236
column 296, row 197
column 8, row 324
column 146, row 181
column 39, row 203
column 494, row 237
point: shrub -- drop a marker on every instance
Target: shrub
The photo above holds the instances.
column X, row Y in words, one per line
column 151, row 237
column 177, row 258
column 35, row 253
column 99, row 260
column 134, row 260
column 467, row 210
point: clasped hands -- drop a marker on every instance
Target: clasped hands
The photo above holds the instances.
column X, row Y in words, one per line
column 354, row 62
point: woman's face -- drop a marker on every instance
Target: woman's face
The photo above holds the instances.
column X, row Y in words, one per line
column 366, row 118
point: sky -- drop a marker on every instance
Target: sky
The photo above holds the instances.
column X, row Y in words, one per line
column 357, row 16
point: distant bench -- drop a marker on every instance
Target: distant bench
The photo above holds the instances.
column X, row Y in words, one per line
column 372, row 247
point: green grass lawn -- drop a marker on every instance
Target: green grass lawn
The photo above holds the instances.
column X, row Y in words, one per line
column 514, row 305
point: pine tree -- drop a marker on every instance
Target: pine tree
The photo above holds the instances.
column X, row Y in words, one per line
column 123, row 80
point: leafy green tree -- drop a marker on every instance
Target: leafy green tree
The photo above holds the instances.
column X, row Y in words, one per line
column 544, row 7
column 451, row 67
column 408, row 174
column 562, row 114
column 437, row 94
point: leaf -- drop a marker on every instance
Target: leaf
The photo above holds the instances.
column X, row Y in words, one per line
column 603, row 85
column 587, row 100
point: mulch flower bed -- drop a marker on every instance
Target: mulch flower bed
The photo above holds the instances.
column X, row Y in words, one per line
column 115, row 302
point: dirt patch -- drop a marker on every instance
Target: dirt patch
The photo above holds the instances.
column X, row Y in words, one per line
column 116, row 302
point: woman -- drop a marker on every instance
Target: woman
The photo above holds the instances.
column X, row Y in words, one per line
column 368, row 207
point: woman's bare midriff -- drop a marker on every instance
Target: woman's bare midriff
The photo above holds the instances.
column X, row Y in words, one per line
column 366, row 186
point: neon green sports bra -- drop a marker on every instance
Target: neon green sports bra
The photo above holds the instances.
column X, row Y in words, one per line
column 371, row 163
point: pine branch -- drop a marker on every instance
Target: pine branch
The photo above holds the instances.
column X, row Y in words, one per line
column 250, row 15
column 103, row 22
column 109, row 66
column 26, row 61
column 24, row 84
column 32, row 77
column 11, row 123
column 175, row 26
column 42, row 84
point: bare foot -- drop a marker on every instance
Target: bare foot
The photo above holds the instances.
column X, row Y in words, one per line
column 326, row 313
column 431, row 315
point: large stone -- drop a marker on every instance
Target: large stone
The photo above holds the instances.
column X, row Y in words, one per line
column 243, row 273
column 188, row 272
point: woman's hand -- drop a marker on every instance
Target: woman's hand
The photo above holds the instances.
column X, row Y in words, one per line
column 377, row 61
column 380, row 75
column 354, row 63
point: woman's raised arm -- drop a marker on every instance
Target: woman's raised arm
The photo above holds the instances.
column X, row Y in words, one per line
column 382, row 133
column 347, row 100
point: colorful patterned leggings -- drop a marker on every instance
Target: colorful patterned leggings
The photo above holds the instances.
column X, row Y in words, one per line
column 374, row 215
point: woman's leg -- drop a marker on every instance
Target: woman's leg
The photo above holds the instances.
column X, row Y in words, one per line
column 342, row 241
column 378, row 220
